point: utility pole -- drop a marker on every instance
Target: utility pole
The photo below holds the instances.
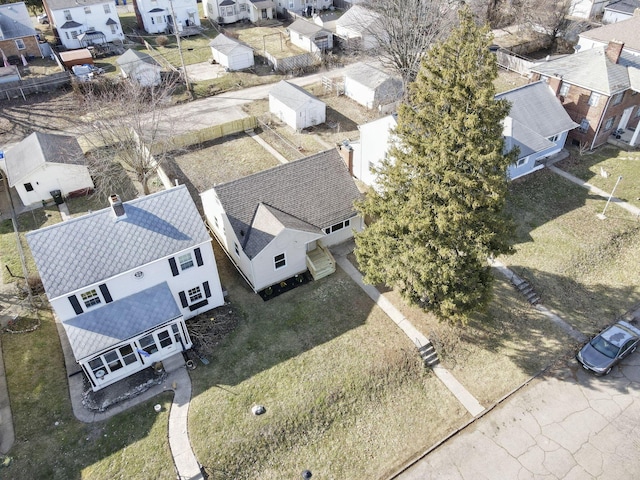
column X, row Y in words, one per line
column 175, row 29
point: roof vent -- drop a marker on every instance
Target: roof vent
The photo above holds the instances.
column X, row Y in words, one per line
column 117, row 206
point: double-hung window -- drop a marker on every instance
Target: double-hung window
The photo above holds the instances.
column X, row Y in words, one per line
column 279, row 261
column 185, row 261
column 594, row 98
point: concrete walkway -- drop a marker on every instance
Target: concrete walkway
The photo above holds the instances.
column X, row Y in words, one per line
column 467, row 400
column 593, row 189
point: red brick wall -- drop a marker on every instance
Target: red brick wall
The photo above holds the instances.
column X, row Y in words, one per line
column 30, row 43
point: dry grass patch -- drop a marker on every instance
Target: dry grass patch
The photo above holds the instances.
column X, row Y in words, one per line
column 345, row 391
column 274, row 40
column 221, row 161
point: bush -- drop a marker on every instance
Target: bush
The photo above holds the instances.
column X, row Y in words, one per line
column 162, row 41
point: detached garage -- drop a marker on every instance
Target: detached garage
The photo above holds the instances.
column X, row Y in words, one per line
column 232, row 54
column 295, row 106
column 372, row 87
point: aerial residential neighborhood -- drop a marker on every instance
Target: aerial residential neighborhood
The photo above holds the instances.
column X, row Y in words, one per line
column 332, row 239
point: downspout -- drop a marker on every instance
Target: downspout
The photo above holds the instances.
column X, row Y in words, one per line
column 606, row 107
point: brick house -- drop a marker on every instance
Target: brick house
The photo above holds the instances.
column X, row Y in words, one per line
column 17, row 35
column 599, row 90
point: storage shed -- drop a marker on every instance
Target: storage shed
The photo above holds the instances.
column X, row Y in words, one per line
column 232, row 54
column 76, row 57
column 140, row 68
column 295, row 106
column 372, row 87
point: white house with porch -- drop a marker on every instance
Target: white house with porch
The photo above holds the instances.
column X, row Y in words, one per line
column 82, row 24
column 231, row 11
column 278, row 223
column 167, row 16
column 123, row 280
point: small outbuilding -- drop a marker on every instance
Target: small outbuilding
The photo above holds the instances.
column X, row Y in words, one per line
column 80, row 56
column 140, row 68
column 372, row 87
column 232, row 54
column 9, row 74
column 45, row 166
column 295, row 106
column 309, row 36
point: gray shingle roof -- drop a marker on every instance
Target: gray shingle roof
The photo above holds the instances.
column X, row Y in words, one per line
column 308, row 194
column 106, row 326
column 536, row 114
column 625, row 31
column 291, row 95
column 590, row 69
column 226, row 45
column 358, row 19
column 94, row 247
column 60, row 4
column 131, row 59
column 308, row 29
column 623, row 6
column 39, row 148
column 15, row 21
column 370, row 76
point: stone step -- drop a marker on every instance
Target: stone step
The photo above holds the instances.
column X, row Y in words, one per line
column 429, row 355
column 173, row 363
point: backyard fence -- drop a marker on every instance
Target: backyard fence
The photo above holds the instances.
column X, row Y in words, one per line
column 297, row 62
column 514, row 62
column 21, row 88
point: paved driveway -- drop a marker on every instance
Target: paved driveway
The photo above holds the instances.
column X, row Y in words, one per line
column 567, row 424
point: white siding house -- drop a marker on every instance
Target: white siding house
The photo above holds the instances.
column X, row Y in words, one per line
column 619, row 10
column 309, row 36
column 372, row 88
column 81, row 24
column 588, row 9
column 625, row 31
column 166, row 16
column 140, row 67
column 372, row 148
column 43, row 163
column 232, row 11
column 361, row 27
column 295, row 106
column 232, row 54
column 277, row 223
column 123, row 280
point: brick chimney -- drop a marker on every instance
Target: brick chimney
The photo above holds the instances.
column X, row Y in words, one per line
column 117, row 206
column 613, row 51
column 346, row 152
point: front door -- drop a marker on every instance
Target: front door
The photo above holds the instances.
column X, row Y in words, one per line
column 626, row 115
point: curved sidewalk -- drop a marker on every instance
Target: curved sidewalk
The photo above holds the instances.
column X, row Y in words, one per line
column 178, row 381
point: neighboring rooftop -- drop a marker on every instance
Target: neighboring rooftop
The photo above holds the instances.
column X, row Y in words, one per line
column 305, row 27
column 60, row 4
column 40, row 148
column 625, row 31
column 593, row 70
column 226, row 45
column 131, row 59
column 15, row 21
column 291, row 95
column 536, row 115
column 623, row 6
column 358, row 19
column 91, row 248
column 307, row 194
column 369, row 75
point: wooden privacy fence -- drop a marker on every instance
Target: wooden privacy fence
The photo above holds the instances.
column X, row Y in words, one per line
column 21, row 88
column 514, row 62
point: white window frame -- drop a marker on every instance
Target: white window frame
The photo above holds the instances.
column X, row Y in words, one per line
column 617, row 98
column 584, row 125
column 20, row 44
column 107, row 8
column 337, row 226
column 608, row 124
column 91, row 298
column 594, row 98
column 74, row 34
column 554, row 138
column 185, row 261
column 114, row 29
column 564, row 89
column 521, row 161
column 279, row 261
column 87, row 10
column 67, row 15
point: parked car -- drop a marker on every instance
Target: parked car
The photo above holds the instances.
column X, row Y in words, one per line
column 43, row 19
column 86, row 72
column 610, row 346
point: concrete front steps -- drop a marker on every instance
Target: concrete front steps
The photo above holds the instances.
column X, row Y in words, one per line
column 429, row 355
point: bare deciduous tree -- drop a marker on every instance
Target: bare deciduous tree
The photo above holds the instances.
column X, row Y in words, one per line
column 404, row 30
column 126, row 134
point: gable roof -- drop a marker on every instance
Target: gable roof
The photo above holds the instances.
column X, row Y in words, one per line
column 15, row 21
column 132, row 59
column 625, row 31
column 307, row 194
column 226, row 45
column 40, row 148
column 536, row 109
column 60, row 4
column 358, row 19
column 104, row 327
column 94, row 247
column 292, row 95
column 623, row 6
column 369, row 75
column 591, row 69
column 308, row 29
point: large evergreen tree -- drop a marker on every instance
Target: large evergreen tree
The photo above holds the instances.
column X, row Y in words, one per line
column 439, row 211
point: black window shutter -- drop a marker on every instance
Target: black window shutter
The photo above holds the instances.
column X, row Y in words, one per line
column 174, row 267
column 75, row 304
column 198, row 256
column 105, row 293
column 207, row 290
column 183, row 299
